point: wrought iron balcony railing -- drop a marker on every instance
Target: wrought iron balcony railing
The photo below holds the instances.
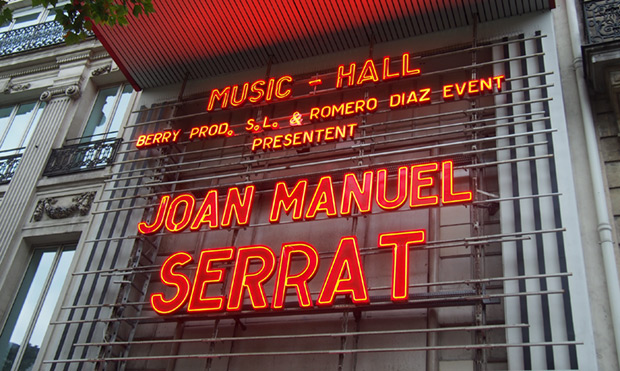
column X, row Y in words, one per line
column 32, row 37
column 81, row 157
column 8, row 165
column 602, row 19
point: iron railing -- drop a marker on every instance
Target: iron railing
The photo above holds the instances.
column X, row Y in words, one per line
column 602, row 20
column 8, row 165
column 31, row 37
column 81, row 157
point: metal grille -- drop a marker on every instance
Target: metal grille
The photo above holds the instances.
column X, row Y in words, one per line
column 81, row 157
column 8, row 165
column 500, row 256
column 31, row 37
column 602, row 20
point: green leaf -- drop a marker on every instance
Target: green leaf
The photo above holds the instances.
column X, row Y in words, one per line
column 137, row 10
column 71, row 38
column 6, row 16
column 77, row 17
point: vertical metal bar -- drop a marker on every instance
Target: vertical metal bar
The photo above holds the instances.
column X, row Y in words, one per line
column 432, row 320
column 537, row 214
column 178, row 334
column 476, row 222
column 527, row 358
column 568, row 311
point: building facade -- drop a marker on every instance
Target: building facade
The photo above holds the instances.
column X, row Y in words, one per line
column 332, row 185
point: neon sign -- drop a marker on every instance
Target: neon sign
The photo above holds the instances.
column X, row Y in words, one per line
column 413, row 186
column 256, row 264
column 351, row 75
column 178, row 213
column 345, row 276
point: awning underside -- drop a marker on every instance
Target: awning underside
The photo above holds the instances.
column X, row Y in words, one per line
column 201, row 39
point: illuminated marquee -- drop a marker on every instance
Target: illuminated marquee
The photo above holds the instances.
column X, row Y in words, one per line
column 178, row 213
column 351, row 75
column 345, row 276
column 411, row 186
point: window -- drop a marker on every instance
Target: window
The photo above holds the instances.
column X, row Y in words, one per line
column 17, row 124
column 24, row 19
column 107, row 113
column 32, row 310
column 29, row 17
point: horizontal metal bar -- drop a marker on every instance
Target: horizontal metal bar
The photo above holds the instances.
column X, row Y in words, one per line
column 510, row 161
column 257, row 181
column 456, row 300
column 377, row 288
column 358, row 158
column 305, row 336
column 390, row 122
column 260, row 159
column 525, row 197
column 314, row 352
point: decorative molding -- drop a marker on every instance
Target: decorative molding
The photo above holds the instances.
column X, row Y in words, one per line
column 100, row 56
column 72, row 58
column 10, row 88
column 72, row 91
column 602, row 20
column 81, row 205
column 102, row 70
column 29, row 71
column 615, row 80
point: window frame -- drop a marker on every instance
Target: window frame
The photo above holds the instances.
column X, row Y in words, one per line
column 32, row 121
column 42, row 18
column 106, row 133
column 17, row 305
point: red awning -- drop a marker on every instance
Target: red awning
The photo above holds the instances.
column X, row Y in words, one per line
column 201, row 39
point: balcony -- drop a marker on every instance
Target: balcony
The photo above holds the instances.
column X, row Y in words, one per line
column 8, row 165
column 30, row 38
column 77, row 158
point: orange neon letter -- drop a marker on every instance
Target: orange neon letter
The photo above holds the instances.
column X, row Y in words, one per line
column 350, row 75
column 400, row 242
column 234, row 204
column 243, row 279
column 406, row 70
column 219, row 95
column 386, row 70
column 257, row 89
column 158, row 222
column 278, row 90
column 206, row 274
column 282, row 198
column 345, row 275
column 170, row 278
column 207, row 214
column 284, row 279
column 498, row 81
column 401, row 191
column 351, row 190
column 244, row 95
column 447, row 186
column 368, row 73
column 189, row 201
column 323, row 199
column 418, row 181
